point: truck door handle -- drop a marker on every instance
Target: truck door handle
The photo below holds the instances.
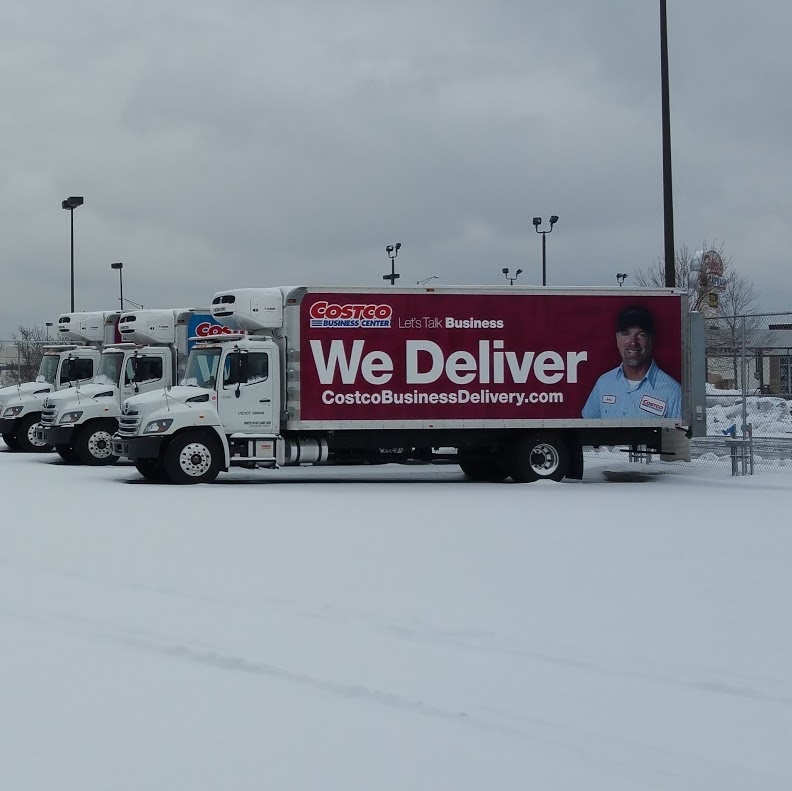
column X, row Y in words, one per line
column 264, row 400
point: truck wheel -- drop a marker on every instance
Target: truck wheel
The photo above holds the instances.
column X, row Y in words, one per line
column 483, row 468
column 67, row 453
column 11, row 441
column 539, row 457
column 151, row 470
column 192, row 457
column 94, row 443
column 26, row 435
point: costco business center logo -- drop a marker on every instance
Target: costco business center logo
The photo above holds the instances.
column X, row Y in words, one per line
column 327, row 314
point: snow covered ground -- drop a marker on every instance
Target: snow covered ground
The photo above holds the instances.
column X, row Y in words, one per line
column 395, row 628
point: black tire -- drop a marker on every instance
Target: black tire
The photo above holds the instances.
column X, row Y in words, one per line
column 11, row 441
column 192, row 457
column 94, row 443
column 67, row 453
column 539, row 457
column 483, row 468
column 151, row 470
column 26, row 435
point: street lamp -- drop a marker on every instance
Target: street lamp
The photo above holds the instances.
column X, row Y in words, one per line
column 120, row 267
column 511, row 279
column 48, row 325
column 668, row 194
column 392, row 250
column 70, row 204
column 426, row 280
column 537, row 221
column 621, row 277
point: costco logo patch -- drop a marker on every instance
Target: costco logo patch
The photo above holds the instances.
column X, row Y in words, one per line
column 652, row 405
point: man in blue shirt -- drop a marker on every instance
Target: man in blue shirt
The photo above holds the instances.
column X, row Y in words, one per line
column 637, row 388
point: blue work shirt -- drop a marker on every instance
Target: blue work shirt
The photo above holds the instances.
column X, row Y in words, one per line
column 657, row 395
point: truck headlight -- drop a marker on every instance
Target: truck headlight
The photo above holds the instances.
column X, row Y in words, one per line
column 13, row 411
column 157, row 426
column 70, row 417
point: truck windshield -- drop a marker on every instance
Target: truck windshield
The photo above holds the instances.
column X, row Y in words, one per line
column 201, row 368
column 48, row 368
column 109, row 369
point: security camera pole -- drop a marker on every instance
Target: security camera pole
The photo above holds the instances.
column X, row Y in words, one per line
column 392, row 250
column 511, row 280
column 537, row 221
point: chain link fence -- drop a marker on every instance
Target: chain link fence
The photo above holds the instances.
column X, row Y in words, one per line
column 749, row 393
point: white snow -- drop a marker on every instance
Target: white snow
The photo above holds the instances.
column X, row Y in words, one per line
column 392, row 628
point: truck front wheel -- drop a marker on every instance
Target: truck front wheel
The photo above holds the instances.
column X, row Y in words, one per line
column 192, row 457
column 26, row 435
column 539, row 457
column 94, row 443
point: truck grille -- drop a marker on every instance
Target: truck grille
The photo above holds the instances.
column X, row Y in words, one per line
column 48, row 416
column 129, row 424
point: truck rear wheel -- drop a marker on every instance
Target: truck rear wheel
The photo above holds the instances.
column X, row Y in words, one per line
column 487, row 468
column 151, row 470
column 26, row 435
column 67, row 453
column 192, row 457
column 11, row 441
column 94, row 443
column 538, row 457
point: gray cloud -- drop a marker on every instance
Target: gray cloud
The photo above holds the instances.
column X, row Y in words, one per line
column 260, row 143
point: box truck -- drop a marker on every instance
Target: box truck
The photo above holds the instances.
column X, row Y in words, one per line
column 80, row 422
column 72, row 361
column 508, row 382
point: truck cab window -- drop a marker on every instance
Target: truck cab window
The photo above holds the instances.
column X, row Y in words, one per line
column 76, row 369
column 143, row 369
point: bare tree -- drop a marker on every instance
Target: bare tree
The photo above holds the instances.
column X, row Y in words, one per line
column 724, row 305
column 29, row 342
column 654, row 275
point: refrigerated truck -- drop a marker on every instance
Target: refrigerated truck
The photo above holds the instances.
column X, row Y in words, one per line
column 72, row 361
column 80, row 422
column 493, row 378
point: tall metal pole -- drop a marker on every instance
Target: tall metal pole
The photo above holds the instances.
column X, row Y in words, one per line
column 121, row 285
column 544, row 258
column 71, row 212
column 668, row 203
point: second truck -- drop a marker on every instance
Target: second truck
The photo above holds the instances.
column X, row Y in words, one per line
column 80, row 423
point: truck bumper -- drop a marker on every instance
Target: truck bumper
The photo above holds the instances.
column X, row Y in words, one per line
column 7, row 425
column 137, row 447
column 55, row 435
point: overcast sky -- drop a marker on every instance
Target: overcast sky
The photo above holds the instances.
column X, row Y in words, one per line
column 252, row 143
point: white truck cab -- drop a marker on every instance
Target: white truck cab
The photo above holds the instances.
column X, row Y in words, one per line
column 80, row 423
column 66, row 365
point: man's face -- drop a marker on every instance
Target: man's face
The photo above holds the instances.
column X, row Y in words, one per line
column 635, row 347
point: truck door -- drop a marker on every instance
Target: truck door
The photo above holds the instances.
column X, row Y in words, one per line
column 246, row 397
column 142, row 373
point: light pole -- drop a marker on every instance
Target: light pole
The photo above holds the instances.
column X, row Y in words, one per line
column 537, row 221
column 70, row 204
column 48, row 325
column 426, row 280
column 392, row 250
column 120, row 267
column 668, row 194
column 620, row 278
column 511, row 279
